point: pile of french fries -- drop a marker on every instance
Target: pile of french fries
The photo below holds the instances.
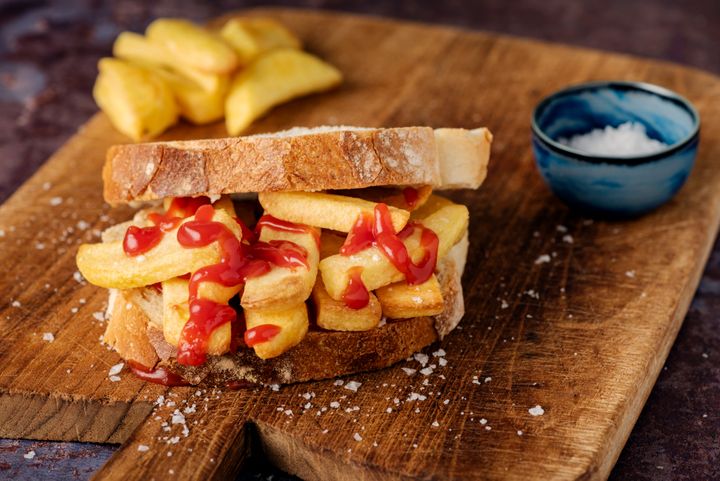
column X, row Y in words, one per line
column 280, row 297
column 178, row 69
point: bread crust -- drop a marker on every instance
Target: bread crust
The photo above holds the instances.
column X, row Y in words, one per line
column 300, row 160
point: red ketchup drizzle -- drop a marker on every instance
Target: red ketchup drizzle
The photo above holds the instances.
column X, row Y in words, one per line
column 139, row 240
column 261, row 333
column 159, row 375
column 411, row 196
column 356, row 295
column 239, row 261
column 381, row 233
column 284, row 226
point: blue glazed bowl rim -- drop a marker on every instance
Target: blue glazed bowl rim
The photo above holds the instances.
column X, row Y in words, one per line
column 653, row 89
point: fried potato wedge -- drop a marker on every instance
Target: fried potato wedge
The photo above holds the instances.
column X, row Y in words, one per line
column 197, row 105
column 176, row 312
column 138, row 49
column 252, row 36
column 283, row 287
column 328, row 211
column 192, row 45
column 107, row 265
column 274, row 78
column 402, row 301
column 449, row 223
column 336, row 316
column 293, row 323
column 138, row 102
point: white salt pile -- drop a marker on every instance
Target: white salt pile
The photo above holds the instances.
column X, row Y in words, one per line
column 628, row 139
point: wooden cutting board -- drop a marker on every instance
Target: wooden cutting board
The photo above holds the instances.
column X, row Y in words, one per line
column 583, row 336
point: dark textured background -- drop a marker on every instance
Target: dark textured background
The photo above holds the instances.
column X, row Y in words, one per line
column 48, row 52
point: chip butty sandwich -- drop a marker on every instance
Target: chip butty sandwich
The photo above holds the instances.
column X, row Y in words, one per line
column 279, row 258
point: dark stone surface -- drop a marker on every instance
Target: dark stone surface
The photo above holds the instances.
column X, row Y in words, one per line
column 48, row 52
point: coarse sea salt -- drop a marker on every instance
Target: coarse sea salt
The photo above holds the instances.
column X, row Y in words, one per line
column 628, row 139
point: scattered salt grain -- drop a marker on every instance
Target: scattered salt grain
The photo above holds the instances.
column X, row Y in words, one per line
column 483, row 421
column 177, row 417
column 353, row 385
column 15, row 304
column 442, row 361
column 561, row 228
column 46, row 185
column 504, row 305
column 48, row 336
column 388, row 410
column 435, row 424
column 78, row 277
column 116, row 369
column 568, row 239
column 439, row 353
column 143, row 448
column 542, row 259
column 536, row 411
column 39, row 246
column 426, row 371
column 421, row 358
column 409, row 371
column 114, row 378
column 334, row 404
column 98, row 316
column 357, row 437
column 630, row 274
column 339, row 382
column 54, row 201
column 628, row 139
column 29, row 455
column 519, row 433
column 82, row 225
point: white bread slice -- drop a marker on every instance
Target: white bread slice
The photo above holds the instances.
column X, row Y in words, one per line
column 300, row 159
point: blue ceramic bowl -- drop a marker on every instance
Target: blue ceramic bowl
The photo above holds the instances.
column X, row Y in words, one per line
column 615, row 186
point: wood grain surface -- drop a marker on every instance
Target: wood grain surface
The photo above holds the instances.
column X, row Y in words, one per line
column 583, row 336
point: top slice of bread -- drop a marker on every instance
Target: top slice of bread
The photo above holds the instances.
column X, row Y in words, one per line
column 299, row 159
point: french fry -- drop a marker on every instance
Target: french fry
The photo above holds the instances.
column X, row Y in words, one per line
column 274, row 78
column 283, row 287
column 448, row 222
column 330, row 243
column 401, row 300
column 138, row 102
column 293, row 323
column 392, row 196
column 176, row 312
column 192, row 45
column 430, row 206
column 328, row 211
column 225, row 203
column 107, row 265
column 250, row 37
column 138, row 49
column 336, row 316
